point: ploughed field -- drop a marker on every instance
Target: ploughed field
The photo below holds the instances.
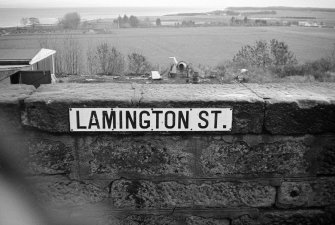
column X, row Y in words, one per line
column 197, row 45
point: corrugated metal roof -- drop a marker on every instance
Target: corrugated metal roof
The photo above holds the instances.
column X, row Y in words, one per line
column 18, row 54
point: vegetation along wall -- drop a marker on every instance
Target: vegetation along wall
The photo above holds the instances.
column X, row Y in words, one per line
column 276, row 165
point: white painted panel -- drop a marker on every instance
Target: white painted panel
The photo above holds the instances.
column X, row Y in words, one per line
column 150, row 119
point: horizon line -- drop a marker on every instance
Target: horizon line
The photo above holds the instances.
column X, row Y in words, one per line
column 194, row 7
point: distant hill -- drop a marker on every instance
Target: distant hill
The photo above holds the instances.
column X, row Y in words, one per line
column 187, row 14
column 282, row 8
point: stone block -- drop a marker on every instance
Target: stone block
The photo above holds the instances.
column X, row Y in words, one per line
column 11, row 99
column 298, row 108
column 313, row 193
column 240, row 157
column 267, row 155
column 61, row 192
column 308, row 217
column 170, row 194
column 48, row 154
column 109, row 157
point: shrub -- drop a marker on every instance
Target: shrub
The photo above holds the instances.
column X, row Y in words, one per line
column 138, row 64
column 105, row 59
column 221, row 70
column 262, row 54
column 288, row 70
column 280, row 54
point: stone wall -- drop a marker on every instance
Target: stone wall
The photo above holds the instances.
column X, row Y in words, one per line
column 276, row 166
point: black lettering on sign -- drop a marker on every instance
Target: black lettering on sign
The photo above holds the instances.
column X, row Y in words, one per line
column 203, row 119
column 120, row 119
column 146, row 122
column 157, row 117
column 108, row 119
column 181, row 118
column 94, row 120
column 78, row 121
column 131, row 119
column 173, row 119
column 216, row 112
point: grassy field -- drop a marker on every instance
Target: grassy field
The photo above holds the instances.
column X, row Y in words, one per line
column 197, row 45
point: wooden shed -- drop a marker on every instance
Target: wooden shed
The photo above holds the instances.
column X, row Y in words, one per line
column 27, row 66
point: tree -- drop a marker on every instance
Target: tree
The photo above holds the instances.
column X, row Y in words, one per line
column 280, row 54
column 133, row 21
column 125, row 19
column 138, row 64
column 70, row 20
column 158, row 22
column 232, row 20
column 109, row 60
column 263, row 54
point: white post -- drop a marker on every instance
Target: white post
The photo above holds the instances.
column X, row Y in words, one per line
column 53, row 64
column 53, row 76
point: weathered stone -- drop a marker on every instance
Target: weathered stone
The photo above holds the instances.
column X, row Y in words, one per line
column 324, row 162
column 48, row 109
column 59, row 191
column 109, row 157
column 145, row 194
column 318, row 192
column 305, row 217
column 163, row 220
column 245, row 220
column 113, row 156
column 308, row 217
column 222, row 158
column 106, row 216
column 49, row 155
column 298, row 108
column 11, row 97
column 259, row 155
column 194, row 220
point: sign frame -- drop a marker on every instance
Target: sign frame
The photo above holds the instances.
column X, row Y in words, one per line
column 119, row 120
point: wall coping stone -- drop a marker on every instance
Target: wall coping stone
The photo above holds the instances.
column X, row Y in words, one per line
column 301, row 108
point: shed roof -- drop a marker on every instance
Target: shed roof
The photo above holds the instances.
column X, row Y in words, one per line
column 28, row 56
column 18, row 54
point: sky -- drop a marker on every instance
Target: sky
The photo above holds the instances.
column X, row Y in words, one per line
column 217, row 4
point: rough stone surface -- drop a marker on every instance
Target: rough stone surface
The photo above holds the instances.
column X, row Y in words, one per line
column 146, row 155
column 49, row 154
column 324, row 163
column 237, row 157
column 48, row 108
column 161, row 220
column 145, row 194
column 318, row 192
column 303, row 217
column 59, row 191
column 164, row 178
column 267, row 155
column 298, row 108
column 11, row 97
